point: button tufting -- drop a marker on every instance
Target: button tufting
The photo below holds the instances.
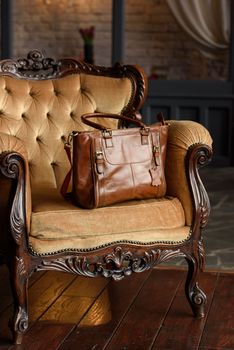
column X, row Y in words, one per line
column 56, row 92
column 23, row 115
column 7, row 90
column 72, row 114
column 32, row 93
column 38, row 139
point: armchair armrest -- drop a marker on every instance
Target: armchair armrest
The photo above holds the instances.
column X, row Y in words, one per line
column 14, row 165
column 182, row 136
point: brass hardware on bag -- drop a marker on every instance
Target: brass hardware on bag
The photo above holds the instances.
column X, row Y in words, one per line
column 68, row 143
column 99, row 160
column 98, row 153
column 107, row 135
column 156, row 149
column 144, row 136
column 144, row 131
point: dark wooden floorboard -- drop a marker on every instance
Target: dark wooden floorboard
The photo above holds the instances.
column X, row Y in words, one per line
column 6, row 307
column 5, row 293
column 42, row 293
column 219, row 330
column 181, row 330
column 96, row 328
column 146, row 311
column 62, row 316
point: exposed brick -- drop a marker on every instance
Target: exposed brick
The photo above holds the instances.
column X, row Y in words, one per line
column 152, row 35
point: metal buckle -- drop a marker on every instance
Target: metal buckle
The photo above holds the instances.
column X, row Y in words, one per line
column 107, row 133
column 72, row 134
column 99, row 153
column 144, row 131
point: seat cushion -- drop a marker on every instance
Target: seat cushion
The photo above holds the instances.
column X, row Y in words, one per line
column 58, row 224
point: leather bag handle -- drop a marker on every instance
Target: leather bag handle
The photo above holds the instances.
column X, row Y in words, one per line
column 85, row 119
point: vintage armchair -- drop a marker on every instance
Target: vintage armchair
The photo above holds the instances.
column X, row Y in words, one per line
column 41, row 101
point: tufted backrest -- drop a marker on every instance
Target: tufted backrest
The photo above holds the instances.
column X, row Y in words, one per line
column 42, row 112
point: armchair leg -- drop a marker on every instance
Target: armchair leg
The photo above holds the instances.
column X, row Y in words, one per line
column 196, row 297
column 19, row 286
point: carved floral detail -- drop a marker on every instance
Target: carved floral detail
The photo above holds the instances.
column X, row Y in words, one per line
column 199, row 156
column 21, row 269
column 118, row 264
column 201, row 254
column 36, row 66
column 34, row 62
column 11, row 165
column 21, row 320
column 198, row 296
column 74, row 264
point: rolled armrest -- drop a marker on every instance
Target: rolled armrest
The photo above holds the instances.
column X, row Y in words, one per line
column 11, row 144
column 182, row 135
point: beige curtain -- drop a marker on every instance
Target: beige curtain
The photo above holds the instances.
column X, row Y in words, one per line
column 206, row 21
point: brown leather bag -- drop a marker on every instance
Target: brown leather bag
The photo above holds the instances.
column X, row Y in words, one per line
column 111, row 166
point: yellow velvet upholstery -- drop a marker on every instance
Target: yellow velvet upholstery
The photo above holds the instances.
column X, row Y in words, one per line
column 182, row 135
column 11, row 143
column 57, row 224
column 35, row 119
column 42, row 113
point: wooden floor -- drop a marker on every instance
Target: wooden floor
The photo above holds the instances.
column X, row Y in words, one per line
column 145, row 311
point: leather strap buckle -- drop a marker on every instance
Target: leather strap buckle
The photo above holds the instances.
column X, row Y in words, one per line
column 107, row 135
column 144, row 136
column 99, row 160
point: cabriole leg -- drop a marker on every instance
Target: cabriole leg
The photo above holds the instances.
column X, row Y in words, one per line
column 19, row 285
column 196, row 297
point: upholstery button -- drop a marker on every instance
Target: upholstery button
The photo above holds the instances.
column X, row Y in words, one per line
column 7, row 90
column 38, row 139
column 63, row 138
column 32, row 93
column 48, row 115
column 72, row 114
column 23, row 115
column 56, row 92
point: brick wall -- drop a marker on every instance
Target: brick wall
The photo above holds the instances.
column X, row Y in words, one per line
column 53, row 26
column 153, row 38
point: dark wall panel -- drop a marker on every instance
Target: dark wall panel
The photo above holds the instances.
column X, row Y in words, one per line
column 208, row 103
column 189, row 113
column 218, row 125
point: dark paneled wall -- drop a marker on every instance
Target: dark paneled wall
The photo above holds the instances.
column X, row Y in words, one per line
column 209, row 103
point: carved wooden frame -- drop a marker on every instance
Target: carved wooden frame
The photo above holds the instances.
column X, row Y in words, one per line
column 118, row 259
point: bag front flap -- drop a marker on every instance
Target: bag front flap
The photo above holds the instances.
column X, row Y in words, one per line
column 125, row 146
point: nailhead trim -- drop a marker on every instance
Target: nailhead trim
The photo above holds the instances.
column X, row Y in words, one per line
column 86, row 250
